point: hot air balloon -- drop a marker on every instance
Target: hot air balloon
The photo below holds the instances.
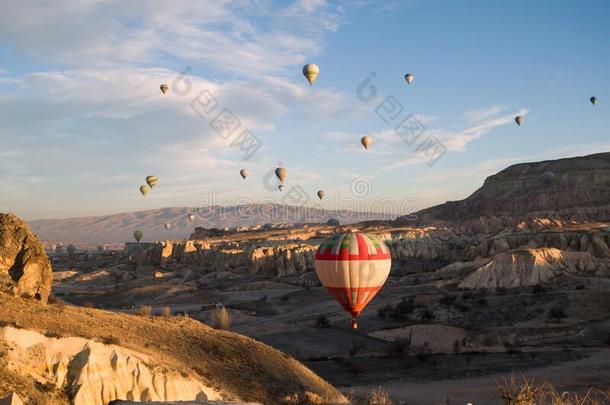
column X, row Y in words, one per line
column 280, row 187
column 353, row 267
column 243, row 173
column 281, row 173
column 548, row 177
column 144, row 189
column 321, row 194
column 137, row 235
column 311, row 72
column 518, row 119
column 167, row 225
column 191, row 217
column 333, row 222
column 409, row 78
column 151, row 181
column 164, row 87
column 366, row 141
column 593, row 100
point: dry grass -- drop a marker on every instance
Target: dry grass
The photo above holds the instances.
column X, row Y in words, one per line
column 379, row 396
column 220, row 359
column 221, row 319
column 524, row 392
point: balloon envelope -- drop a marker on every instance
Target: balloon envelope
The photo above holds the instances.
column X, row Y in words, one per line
column 167, row 225
column 243, row 173
column 164, row 87
column 366, row 141
column 518, row 119
column 333, row 222
column 151, row 181
column 281, row 173
column 593, row 100
column 280, row 187
column 353, row 267
column 311, row 72
column 321, row 194
column 137, row 235
column 191, row 217
column 144, row 189
column 409, row 78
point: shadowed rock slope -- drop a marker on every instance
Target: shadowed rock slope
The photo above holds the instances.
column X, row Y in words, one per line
column 575, row 188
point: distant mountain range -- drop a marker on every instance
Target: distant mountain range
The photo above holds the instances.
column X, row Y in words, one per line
column 118, row 228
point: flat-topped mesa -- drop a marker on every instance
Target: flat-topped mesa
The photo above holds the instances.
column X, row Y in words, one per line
column 575, row 189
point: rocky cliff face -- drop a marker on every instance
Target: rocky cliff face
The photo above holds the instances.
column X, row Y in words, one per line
column 95, row 373
column 533, row 266
column 575, row 189
column 24, row 266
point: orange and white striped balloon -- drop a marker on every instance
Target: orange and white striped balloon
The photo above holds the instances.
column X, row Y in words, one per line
column 353, row 267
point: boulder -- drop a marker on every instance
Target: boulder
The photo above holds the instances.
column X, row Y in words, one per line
column 25, row 269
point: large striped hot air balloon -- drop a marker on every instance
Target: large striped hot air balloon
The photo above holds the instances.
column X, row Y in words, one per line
column 353, row 267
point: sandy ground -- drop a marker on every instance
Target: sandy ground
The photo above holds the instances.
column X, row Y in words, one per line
column 575, row 375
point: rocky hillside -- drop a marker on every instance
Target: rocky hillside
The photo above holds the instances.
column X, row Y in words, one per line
column 119, row 228
column 60, row 354
column 575, row 188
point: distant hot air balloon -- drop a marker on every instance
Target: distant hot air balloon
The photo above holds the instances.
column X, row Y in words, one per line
column 311, row 72
column 191, row 217
column 409, row 78
column 281, row 173
column 333, row 222
column 353, row 267
column 593, row 100
column 167, row 225
column 366, row 141
column 243, row 173
column 144, row 189
column 280, row 187
column 548, row 177
column 164, row 87
column 151, row 181
column 518, row 119
column 321, row 194
column 137, row 235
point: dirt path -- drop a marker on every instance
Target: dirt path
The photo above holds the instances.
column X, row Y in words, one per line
column 576, row 375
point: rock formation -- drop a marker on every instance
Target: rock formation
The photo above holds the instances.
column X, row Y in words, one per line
column 95, row 373
column 579, row 190
column 533, row 266
column 25, row 269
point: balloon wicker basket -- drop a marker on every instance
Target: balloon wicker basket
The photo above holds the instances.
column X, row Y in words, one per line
column 354, row 323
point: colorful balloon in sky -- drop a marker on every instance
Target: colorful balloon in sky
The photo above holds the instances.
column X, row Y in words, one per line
column 593, row 100
column 164, row 87
column 137, row 235
column 519, row 119
column 409, row 78
column 243, row 173
column 281, row 173
column 353, row 267
column 321, row 194
column 144, row 189
column 366, row 141
column 311, row 72
column 152, row 181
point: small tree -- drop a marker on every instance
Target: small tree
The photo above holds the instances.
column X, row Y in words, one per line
column 556, row 313
column 221, row 318
column 167, row 311
column 322, row 322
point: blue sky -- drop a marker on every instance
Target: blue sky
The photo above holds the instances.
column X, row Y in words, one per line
column 84, row 122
